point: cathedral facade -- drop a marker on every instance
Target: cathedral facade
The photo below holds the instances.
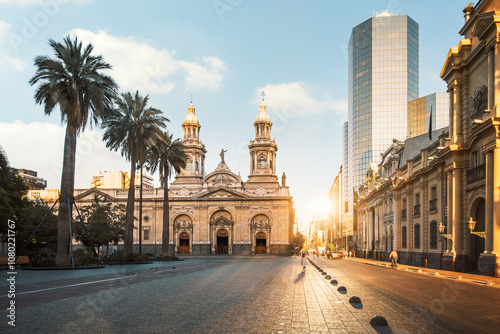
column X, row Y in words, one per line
column 219, row 213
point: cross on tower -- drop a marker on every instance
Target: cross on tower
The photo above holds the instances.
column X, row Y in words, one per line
column 191, row 96
column 263, row 94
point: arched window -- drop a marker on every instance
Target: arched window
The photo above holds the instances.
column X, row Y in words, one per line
column 262, row 129
column 189, row 132
column 417, row 236
column 433, row 235
column 196, row 165
column 404, row 237
column 188, row 164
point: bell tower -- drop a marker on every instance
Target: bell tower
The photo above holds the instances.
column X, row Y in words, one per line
column 195, row 149
column 262, row 152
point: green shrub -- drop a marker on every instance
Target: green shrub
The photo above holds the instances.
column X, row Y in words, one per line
column 43, row 260
column 84, row 259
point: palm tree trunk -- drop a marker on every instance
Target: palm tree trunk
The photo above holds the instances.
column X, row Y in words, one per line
column 140, row 214
column 165, row 246
column 67, row 191
column 128, row 238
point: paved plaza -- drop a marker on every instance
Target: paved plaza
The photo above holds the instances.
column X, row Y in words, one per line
column 248, row 295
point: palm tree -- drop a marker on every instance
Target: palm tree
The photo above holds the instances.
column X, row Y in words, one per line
column 4, row 168
column 74, row 80
column 134, row 128
column 167, row 156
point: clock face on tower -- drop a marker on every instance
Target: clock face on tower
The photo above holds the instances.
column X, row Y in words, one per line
column 262, row 162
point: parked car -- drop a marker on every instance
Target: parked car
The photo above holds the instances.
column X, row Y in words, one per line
column 337, row 255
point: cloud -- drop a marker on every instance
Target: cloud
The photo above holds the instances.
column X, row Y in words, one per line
column 7, row 62
column 39, row 146
column 300, row 99
column 139, row 66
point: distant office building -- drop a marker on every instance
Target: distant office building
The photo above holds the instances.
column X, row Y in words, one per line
column 31, row 179
column 346, row 218
column 419, row 113
column 118, row 180
column 335, row 222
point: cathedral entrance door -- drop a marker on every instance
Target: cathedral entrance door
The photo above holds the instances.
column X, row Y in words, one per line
column 260, row 244
column 222, row 242
column 184, row 243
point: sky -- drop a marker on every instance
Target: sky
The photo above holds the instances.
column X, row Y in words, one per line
column 224, row 52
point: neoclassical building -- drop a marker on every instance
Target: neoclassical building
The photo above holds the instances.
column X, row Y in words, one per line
column 217, row 212
column 375, row 235
column 472, row 152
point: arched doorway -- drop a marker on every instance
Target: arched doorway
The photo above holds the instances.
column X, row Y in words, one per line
column 222, row 242
column 184, row 243
column 476, row 242
column 260, row 228
column 260, row 243
column 183, row 225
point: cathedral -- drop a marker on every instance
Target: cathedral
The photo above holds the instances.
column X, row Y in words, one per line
column 214, row 213
column 219, row 213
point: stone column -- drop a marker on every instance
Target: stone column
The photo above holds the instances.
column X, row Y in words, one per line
column 230, row 240
column 268, row 242
column 497, row 77
column 496, row 206
column 488, row 247
column 491, row 79
column 457, row 112
column 450, row 130
column 457, row 210
column 369, row 234
column 449, row 229
column 213, row 240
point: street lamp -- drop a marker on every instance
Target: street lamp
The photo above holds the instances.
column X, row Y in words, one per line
column 471, row 225
column 441, row 230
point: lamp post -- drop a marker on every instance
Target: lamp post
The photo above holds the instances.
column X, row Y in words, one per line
column 471, row 223
column 441, row 230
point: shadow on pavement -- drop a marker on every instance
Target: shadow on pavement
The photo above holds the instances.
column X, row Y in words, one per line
column 358, row 306
column 383, row 329
column 299, row 277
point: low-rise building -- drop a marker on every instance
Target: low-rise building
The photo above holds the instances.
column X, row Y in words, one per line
column 31, row 179
column 119, row 180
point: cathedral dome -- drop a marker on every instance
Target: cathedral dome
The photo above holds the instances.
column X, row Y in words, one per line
column 191, row 118
column 263, row 116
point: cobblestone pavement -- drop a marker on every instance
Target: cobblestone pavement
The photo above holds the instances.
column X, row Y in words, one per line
column 268, row 295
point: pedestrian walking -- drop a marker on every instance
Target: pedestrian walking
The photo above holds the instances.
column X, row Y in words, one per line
column 394, row 257
column 303, row 262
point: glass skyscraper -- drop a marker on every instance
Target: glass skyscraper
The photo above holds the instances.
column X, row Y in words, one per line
column 382, row 78
column 419, row 113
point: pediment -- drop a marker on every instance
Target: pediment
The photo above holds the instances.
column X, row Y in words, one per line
column 91, row 193
column 221, row 179
column 221, row 193
column 222, row 221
